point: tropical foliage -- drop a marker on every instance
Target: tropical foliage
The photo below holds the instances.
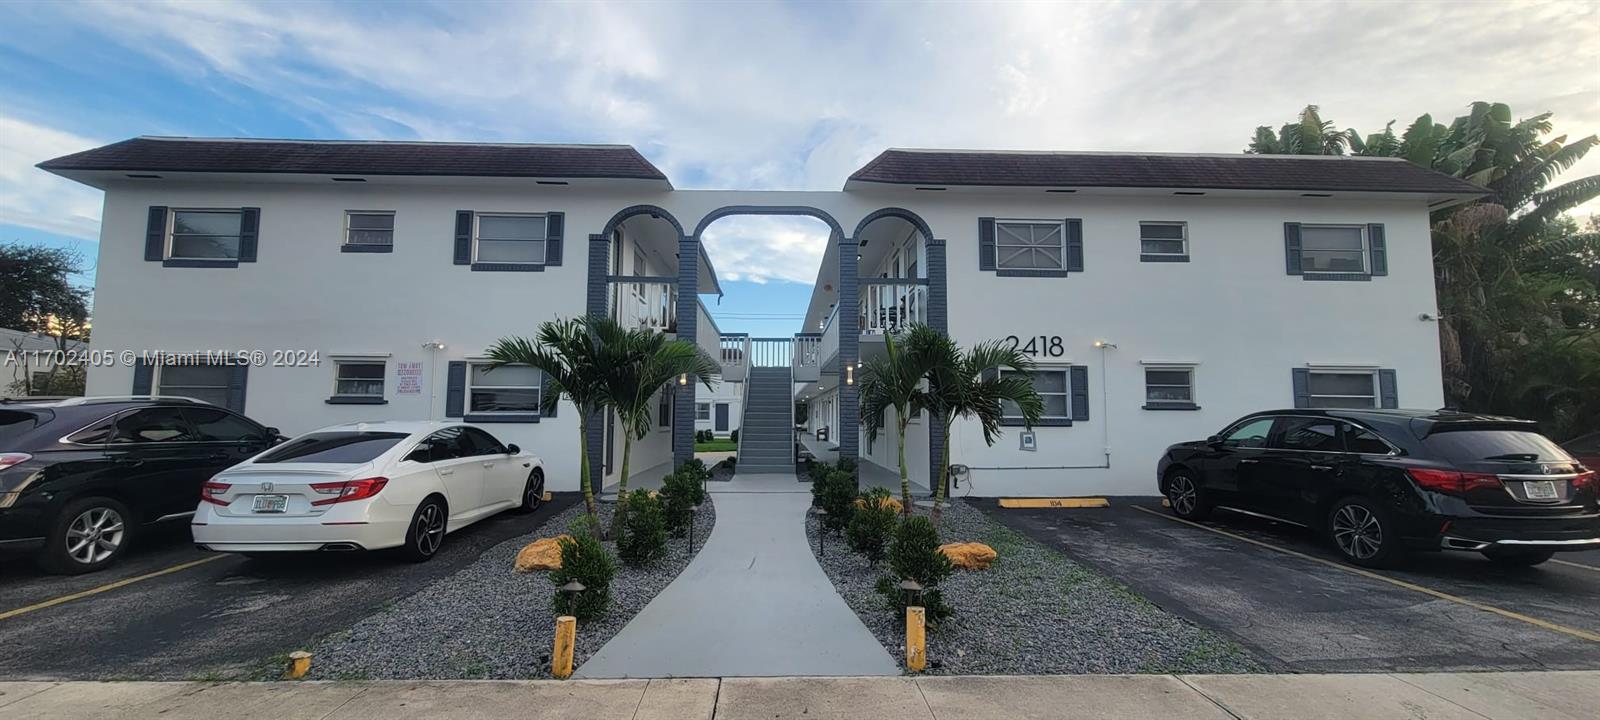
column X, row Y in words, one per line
column 890, row 381
column 1518, row 280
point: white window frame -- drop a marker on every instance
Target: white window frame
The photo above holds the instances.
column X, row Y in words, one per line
column 383, row 379
column 158, row 382
column 472, row 366
column 172, row 224
column 1066, row 373
column 702, row 408
column 1171, row 367
column 1061, row 232
column 1182, row 225
column 544, row 240
column 1366, row 249
column 1377, row 401
column 350, row 213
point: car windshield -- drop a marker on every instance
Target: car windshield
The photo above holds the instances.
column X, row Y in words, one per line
column 13, row 423
column 1476, row 446
column 348, row 448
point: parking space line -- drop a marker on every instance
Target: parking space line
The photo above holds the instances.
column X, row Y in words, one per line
column 107, row 587
column 1568, row 563
column 1574, row 632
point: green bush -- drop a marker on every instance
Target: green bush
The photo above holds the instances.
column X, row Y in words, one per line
column 837, row 497
column 871, row 524
column 644, row 529
column 584, row 558
column 914, row 554
column 734, row 436
column 680, row 492
column 696, row 468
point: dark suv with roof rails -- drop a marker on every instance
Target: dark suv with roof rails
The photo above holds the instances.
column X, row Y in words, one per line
column 80, row 477
column 1381, row 482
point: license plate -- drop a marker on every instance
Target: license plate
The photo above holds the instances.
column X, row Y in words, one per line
column 271, row 503
column 1540, row 490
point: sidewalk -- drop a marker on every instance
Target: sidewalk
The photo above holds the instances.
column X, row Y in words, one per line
column 1554, row 695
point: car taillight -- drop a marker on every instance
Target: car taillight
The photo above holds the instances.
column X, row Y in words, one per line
column 1584, row 479
column 1450, row 481
column 9, row 459
column 212, row 492
column 348, row 490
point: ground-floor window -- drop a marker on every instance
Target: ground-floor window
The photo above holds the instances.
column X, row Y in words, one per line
column 702, row 411
column 358, row 379
column 1054, row 387
column 505, row 389
column 207, row 382
column 1169, row 387
column 1343, row 389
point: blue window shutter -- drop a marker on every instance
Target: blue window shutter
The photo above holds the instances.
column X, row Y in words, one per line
column 249, row 232
column 238, row 373
column 455, row 392
column 1302, row 388
column 554, row 226
column 1074, row 245
column 155, row 237
column 463, row 239
column 1388, row 392
column 544, row 387
column 143, row 373
column 1079, row 375
column 1291, row 247
column 1380, row 250
column 985, row 243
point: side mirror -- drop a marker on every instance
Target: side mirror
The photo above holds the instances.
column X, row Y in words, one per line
column 1214, row 441
column 512, row 449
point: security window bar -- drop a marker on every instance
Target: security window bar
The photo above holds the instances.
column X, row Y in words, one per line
column 1054, row 389
column 369, row 228
column 205, row 382
column 1029, row 245
column 1169, row 387
column 204, row 235
column 358, row 379
column 1164, row 239
column 510, row 239
column 1333, row 249
column 1343, row 389
column 505, row 389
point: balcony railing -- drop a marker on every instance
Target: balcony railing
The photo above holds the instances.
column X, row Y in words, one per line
column 735, row 356
column 891, row 305
column 771, row 352
column 807, row 360
column 645, row 303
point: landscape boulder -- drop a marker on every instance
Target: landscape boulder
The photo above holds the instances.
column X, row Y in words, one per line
column 541, row 554
column 969, row 556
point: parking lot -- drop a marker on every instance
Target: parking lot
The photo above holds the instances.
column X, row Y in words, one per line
column 169, row 611
column 1283, row 594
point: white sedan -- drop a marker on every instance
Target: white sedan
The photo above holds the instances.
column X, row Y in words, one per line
column 366, row 486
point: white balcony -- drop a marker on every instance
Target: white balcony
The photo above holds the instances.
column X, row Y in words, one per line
column 807, row 357
column 645, row 304
column 892, row 305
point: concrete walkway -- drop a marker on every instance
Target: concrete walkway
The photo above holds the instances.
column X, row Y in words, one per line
column 1474, row 696
column 752, row 603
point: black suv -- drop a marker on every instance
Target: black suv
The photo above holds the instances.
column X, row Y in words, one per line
column 79, row 477
column 1379, row 482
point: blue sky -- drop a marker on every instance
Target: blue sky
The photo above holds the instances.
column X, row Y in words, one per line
column 756, row 95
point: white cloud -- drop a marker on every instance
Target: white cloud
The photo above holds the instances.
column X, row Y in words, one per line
column 33, row 198
column 762, row 248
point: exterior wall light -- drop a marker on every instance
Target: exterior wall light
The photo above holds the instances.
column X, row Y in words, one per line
column 683, row 379
column 849, row 374
column 1103, row 345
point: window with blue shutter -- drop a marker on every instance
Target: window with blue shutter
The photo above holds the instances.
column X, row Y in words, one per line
column 201, row 237
column 1063, row 391
column 1030, row 248
column 1335, row 252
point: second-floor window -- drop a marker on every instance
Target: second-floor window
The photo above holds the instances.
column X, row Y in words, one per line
column 1163, row 241
column 1333, row 249
column 204, row 235
column 369, row 229
column 516, row 239
column 1023, row 245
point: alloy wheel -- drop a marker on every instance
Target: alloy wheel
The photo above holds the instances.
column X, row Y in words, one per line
column 1181, row 492
column 535, row 493
column 1357, row 532
column 94, row 535
column 430, row 529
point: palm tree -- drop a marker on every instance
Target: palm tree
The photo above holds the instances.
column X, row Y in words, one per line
column 568, row 356
column 892, row 380
column 1311, row 135
column 970, row 385
column 638, row 364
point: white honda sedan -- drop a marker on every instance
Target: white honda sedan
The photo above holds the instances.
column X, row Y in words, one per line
column 366, row 486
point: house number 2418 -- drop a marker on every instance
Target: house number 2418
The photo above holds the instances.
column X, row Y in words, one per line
column 1046, row 345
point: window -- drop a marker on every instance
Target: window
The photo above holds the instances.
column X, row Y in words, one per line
column 440, row 446
column 369, row 229
column 205, row 382
column 345, row 448
column 1362, row 440
column 1343, row 389
column 505, row 389
column 1169, row 388
column 1467, row 447
column 702, row 411
column 204, row 235
column 1163, row 240
column 1311, row 434
column 358, row 379
column 664, row 407
column 1333, row 249
column 1029, row 245
column 478, row 442
column 1053, row 388
column 151, row 425
column 213, row 425
column 517, row 239
column 1252, row 434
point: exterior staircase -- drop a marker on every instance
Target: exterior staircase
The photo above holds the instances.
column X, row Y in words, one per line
column 766, row 435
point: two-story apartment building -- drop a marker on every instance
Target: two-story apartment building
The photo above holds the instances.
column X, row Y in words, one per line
column 1162, row 295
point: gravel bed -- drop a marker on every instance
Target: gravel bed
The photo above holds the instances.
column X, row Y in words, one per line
column 1034, row 612
column 487, row 622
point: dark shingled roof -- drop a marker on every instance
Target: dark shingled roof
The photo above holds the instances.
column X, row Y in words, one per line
column 1139, row 170
column 339, row 157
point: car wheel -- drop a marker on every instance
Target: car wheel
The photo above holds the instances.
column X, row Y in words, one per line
column 88, row 535
column 1185, row 497
column 426, row 533
column 533, row 492
column 1363, row 533
column 1518, row 558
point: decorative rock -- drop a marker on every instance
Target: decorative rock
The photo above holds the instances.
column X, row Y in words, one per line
column 969, row 556
column 541, row 554
column 889, row 502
